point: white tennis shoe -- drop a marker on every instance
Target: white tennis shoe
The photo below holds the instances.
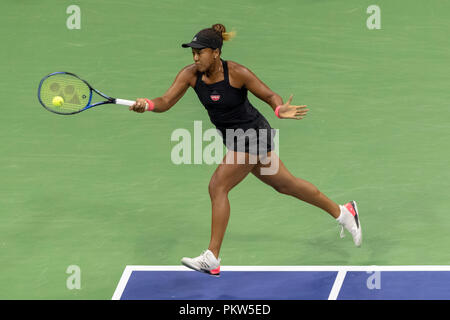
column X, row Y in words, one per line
column 206, row 263
column 349, row 219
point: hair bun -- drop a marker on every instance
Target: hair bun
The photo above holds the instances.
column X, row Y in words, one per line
column 219, row 28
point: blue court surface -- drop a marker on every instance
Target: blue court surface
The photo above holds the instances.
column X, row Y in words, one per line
column 286, row 283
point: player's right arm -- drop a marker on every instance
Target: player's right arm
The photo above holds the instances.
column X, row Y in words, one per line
column 178, row 88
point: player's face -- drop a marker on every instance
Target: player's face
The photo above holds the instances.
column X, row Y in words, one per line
column 203, row 58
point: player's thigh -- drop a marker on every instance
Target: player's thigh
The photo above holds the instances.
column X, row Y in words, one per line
column 274, row 173
column 234, row 167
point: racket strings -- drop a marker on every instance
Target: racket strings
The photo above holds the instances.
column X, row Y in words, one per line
column 64, row 93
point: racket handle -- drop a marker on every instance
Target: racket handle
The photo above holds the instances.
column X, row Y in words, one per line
column 127, row 103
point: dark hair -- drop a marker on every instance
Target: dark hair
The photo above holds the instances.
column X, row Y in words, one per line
column 219, row 33
column 222, row 32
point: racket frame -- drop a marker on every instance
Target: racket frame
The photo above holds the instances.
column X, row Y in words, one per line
column 109, row 100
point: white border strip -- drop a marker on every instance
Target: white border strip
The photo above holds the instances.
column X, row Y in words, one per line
column 342, row 271
column 297, row 268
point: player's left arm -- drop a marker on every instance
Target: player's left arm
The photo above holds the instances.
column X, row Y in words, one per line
column 263, row 92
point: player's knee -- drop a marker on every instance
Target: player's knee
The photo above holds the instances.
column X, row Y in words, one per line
column 283, row 188
column 216, row 188
column 312, row 191
column 316, row 192
column 293, row 187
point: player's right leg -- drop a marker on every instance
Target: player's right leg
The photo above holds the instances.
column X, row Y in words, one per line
column 233, row 169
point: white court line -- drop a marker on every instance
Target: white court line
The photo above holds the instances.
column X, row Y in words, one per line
column 337, row 285
column 122, row 283
column 342, row 270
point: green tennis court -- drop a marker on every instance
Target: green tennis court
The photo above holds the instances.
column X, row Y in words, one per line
column 99, row 190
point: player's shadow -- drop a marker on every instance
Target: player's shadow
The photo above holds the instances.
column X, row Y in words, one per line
column 325, row 248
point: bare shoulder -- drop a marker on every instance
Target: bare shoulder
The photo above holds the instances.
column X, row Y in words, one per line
column 189, row 70
column 238, row 70
column 239, row 75
column 189, row 74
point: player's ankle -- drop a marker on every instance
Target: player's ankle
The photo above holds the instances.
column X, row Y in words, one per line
column 340, row 215
column 214, row 252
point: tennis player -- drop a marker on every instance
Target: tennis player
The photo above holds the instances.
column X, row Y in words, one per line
column 222, row 88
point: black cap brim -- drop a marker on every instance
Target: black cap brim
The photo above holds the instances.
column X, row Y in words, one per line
column 194, row 45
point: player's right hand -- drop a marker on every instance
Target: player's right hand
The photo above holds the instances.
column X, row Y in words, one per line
column 139, row 106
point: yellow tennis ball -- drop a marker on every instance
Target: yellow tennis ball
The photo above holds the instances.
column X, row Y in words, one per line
column 58, row 101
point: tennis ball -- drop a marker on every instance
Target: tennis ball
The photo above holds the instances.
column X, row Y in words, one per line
column 58, row 101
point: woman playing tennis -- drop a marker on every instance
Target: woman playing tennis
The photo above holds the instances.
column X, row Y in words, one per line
column 222, row 88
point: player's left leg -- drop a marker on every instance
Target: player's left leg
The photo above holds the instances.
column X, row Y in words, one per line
column 284, row 182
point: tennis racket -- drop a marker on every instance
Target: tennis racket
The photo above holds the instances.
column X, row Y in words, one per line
column 65, row 93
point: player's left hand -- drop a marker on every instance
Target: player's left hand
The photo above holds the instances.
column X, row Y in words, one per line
column 287, row 111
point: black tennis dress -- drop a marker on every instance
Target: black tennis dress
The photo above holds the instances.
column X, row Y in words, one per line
column 242, row 127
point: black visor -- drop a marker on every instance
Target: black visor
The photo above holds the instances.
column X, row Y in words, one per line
column 206, row 38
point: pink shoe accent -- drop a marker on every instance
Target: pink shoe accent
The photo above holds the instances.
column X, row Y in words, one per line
column 350, row 208
column 215, row 271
